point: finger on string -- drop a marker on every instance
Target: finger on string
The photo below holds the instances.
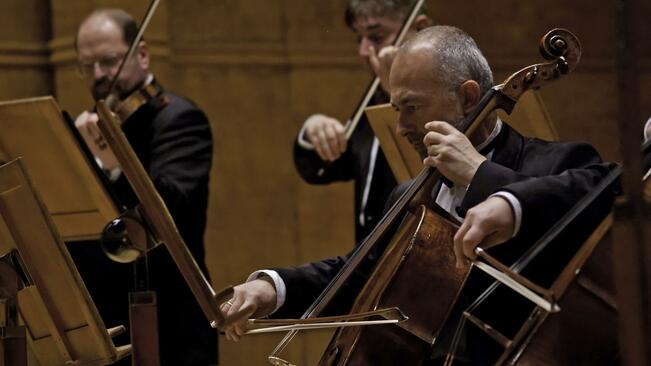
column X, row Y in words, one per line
column 432, row 138
column 431, row 161
column 433, row 151
column 441, row 127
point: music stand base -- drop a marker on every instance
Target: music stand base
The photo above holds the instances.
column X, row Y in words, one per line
column 143, row 318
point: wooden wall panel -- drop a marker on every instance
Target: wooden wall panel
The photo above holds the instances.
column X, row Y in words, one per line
column 259, row 67
column 24, row 64
column 583, row 103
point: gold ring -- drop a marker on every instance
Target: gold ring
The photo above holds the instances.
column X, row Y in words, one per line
column 230, row 302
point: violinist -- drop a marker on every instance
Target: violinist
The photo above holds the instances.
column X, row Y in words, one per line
column 173, row 141
column 322, row 154
column 501, row 184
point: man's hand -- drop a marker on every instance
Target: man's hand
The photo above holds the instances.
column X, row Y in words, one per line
column 260, row 293
column 327, row 135
column 451, row 153
column 86, row 123
column 381, row 64
column 489, row 223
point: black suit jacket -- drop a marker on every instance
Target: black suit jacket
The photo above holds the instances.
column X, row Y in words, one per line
column 173, row 141
column 547, row 178
column 352, row 165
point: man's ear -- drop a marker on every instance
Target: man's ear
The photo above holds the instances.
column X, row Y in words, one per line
column 143, row 55
column 422, row 21
column 469, row 94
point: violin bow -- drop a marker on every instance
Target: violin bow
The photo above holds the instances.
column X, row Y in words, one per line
column 352, row 123
column 134, row 43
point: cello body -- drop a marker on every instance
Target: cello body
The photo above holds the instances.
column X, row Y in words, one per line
column 417, row 273
column 575, row 264
column 585, row 331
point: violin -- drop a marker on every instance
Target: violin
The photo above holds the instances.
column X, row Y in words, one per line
column 123, row 107
column 149, row 93
column 418, row 236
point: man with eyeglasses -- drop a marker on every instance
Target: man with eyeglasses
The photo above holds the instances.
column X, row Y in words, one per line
column 173, row 141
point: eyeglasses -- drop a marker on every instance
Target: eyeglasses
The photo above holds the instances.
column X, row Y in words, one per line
column 87, row 68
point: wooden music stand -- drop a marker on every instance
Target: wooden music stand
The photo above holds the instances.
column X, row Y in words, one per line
column 529, row 117
column 77, row 200
column 404, row 161
column 61, row 321
column 160, row 222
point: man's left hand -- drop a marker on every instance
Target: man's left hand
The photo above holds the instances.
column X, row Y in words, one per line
column 451, row 153
column 489, row 223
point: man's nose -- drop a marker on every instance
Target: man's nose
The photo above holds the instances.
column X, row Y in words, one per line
column 402, row 128
column 98, row 72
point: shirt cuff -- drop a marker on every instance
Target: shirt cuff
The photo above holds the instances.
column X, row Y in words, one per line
column 113, row 174
column 302, row 142
column 515, row 206
column 279, row 284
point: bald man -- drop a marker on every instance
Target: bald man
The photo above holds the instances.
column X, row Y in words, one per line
column 173, row 141
column 505, row 188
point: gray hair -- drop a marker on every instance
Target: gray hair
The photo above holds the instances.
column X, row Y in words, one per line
column 457, row 55
column 396, row 9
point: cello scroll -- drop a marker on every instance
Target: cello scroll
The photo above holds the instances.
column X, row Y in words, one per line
column 563, row 50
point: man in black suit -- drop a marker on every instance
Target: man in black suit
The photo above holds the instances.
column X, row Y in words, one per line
column 173, row 141
column 502, row 185
column 322, row 154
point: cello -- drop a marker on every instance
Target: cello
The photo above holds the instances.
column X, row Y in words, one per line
column 408, row 230
column 570, row 264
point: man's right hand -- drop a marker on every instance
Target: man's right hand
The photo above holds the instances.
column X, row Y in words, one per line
column 260, row 293
column 86, row 124
column 327, row 135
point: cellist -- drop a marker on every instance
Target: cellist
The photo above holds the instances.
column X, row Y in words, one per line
column 501, row 184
